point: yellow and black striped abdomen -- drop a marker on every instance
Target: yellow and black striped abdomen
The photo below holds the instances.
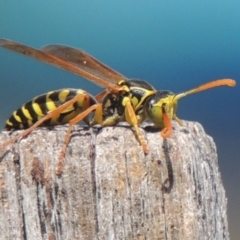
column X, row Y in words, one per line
column 32, row 111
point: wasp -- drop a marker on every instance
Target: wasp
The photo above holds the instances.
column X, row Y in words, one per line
column 123, row 99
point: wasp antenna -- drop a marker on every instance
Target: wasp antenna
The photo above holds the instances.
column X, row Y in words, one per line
column 217, row 83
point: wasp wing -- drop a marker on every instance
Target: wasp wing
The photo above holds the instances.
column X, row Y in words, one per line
column 84, row 61
column 84, row 65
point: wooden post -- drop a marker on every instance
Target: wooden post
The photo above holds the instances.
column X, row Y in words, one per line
column 109, row 189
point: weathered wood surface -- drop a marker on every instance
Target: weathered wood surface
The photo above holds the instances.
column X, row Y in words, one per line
column 109, row 189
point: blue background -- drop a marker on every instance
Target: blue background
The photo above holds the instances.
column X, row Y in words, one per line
column 175, row 45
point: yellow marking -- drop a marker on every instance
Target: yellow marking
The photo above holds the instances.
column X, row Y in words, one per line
column 108, row 103
column 124, row 87
column 134, row 101
column 121, row 82
column 49, row 103
column 63, row 95
column 124, row 101
column 82, row 100
column 9, row 123
column 26, row 112
column 80, row 91
column 30, row 122
column 69, row 109
column 146, row 94
column 37, row 109
column 17, row 118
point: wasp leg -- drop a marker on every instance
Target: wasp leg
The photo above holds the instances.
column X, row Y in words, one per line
column 132, row 119
column 166, row 132
column 98, row 118
column 178, row 120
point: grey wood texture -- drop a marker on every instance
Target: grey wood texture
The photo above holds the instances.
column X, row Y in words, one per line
column 109, row 189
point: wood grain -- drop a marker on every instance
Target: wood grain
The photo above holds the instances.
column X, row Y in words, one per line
column 109, row 189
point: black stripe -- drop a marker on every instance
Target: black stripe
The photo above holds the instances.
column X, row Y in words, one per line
column 33, row 114
column 15, row 124
column 41, row 101
column 24, row 119
column 54, row 96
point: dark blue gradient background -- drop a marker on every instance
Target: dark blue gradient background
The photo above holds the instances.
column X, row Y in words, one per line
column 175, row 45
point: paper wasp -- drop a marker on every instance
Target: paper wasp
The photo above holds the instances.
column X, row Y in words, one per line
column 127, row 100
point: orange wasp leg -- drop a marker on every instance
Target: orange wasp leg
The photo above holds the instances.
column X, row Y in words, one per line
column 98, row 118
column 132, row 120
